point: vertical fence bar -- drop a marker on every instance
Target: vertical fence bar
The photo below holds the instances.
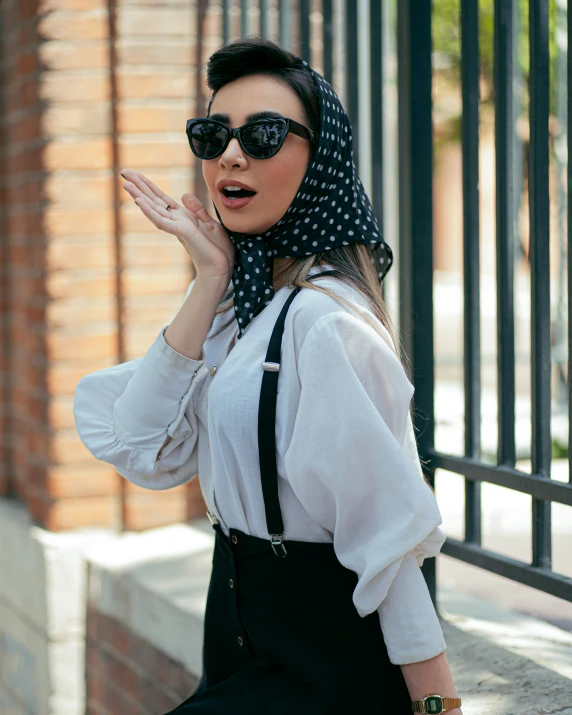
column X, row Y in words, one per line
column 352, row 73
column 416, row 221
column 304, row 29
column 504, row 147
column 376, row 93
column 471, row 312
column 225, row 22
column 327, row 40
column 265, row 30
column 244, row 18
column 569, row 228
column 539, row 201
column 559, row 339
column 284, row 24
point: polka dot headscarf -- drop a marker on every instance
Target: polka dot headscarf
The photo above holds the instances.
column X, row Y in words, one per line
column 331, row 209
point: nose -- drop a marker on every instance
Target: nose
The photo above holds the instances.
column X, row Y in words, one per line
column 233, row 155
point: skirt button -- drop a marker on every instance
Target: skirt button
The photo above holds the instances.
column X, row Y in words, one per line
column 231, row 582
column 239, row 640
column 234, row 539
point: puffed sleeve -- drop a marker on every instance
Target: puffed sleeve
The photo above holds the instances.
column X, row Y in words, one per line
column 346, row 461
column 123, row 415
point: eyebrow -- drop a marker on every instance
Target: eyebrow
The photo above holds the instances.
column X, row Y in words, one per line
column 225, row 118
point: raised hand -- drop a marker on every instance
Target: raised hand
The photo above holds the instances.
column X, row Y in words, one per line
column 204, row 239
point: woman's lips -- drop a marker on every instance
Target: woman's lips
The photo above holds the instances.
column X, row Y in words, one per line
column 235, row 203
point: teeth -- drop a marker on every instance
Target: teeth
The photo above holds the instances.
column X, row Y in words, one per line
column 232, row 188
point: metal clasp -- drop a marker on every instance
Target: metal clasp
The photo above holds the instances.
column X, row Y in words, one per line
column 271, row 366
column 277, row 541
column 212, row 518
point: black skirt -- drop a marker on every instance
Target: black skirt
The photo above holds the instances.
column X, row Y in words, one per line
column 281, row 632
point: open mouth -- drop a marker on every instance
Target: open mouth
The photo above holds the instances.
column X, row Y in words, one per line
column 238, row 193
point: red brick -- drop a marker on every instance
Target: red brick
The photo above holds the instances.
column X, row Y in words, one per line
column 79, row 188
column 76, row 5
column 140, row 117
column 173, row 281
column 166, row 51
column 85, row 118
column 81, row 345
column 133, row 84
column 64, row 376
column 155, row 22
column 59, row 55
column 86, row 511
column 154, row 510
column 62, row 222
column 69, row 252
column 88, row 86
column 87, row 284
column 94, row 154
column 90, row 479
column 65, row 25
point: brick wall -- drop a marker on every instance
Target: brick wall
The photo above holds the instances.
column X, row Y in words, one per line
column 127, row 674
column 89, row 87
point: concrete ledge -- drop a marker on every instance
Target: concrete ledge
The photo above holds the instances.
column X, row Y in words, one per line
column 42, row 615
column 156, row 584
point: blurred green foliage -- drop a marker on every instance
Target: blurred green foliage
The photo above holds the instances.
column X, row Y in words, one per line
column 447, row 37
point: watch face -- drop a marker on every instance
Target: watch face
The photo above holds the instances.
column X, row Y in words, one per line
column 433, row 704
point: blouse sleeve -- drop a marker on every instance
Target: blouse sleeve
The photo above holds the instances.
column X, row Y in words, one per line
column 124, row 414
column 347, row 465
column 409, row 622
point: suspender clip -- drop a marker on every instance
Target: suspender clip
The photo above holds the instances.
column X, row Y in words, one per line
column 277, row 542
column 271, row 366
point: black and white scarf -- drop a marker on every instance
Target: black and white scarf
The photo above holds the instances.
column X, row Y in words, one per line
column 330, row 209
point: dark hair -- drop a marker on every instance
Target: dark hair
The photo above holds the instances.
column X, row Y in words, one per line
column 256, row 55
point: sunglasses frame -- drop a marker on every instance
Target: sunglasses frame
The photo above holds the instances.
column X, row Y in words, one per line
column 290, row 125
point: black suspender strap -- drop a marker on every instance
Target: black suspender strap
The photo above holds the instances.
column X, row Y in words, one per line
column 267, row 432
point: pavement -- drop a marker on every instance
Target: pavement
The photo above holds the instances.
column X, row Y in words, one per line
column 504, row 662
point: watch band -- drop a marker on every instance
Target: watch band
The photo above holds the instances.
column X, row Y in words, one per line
column 418, row 706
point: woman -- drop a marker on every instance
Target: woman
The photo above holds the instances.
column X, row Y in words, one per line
column 294, row 413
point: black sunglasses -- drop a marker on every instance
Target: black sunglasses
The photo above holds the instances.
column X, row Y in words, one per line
column 261, row 139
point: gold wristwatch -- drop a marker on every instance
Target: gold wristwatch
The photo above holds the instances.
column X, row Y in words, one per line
column 435, row 704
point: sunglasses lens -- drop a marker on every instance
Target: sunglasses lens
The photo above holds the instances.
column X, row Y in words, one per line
column 263, row 139
column 207, row 139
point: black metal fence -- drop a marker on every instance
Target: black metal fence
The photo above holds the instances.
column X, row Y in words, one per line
column 294, row 25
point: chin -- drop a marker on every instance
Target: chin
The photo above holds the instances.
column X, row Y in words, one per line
column 238, row 224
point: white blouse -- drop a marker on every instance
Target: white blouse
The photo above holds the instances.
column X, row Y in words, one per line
column 348, row 466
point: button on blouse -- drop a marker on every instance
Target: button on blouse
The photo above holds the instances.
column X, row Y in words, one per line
column 348, row 467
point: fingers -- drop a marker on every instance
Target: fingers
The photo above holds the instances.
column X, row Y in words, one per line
column 157, row 215
column 142, row 186
column 168, row 221
column 191, row 202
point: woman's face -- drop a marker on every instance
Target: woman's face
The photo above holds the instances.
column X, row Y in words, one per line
column 275, row 180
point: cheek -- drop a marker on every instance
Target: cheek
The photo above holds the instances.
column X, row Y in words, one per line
column 283, row 176
column 209, row 172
